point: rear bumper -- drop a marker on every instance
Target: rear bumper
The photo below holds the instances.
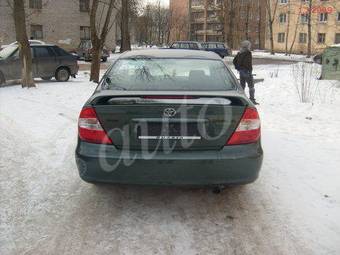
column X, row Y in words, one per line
column 231, row 165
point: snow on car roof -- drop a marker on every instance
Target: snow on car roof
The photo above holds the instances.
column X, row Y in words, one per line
column 170, row 53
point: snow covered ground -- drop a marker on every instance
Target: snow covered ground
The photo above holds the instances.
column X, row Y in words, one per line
column 294, row 207
column 260, row 54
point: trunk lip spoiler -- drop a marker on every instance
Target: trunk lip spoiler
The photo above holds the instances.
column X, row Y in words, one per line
column 191, row 101
column 230, row 95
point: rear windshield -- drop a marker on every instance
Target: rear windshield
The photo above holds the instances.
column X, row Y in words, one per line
column 169, row 75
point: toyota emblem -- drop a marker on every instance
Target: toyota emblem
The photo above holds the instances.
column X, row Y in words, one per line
column 169, row 112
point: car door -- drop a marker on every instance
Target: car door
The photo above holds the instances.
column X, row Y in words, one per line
column 174, row 46
column 45, row 61
column 12, row 66
column 184, row 46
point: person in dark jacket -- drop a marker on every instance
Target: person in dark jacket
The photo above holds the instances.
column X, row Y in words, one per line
column 243, row 64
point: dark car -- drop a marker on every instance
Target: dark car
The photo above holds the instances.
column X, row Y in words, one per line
column 169, row 117
column 217, row 47
column 186, row 45
column 84, row 51
column 47, row 61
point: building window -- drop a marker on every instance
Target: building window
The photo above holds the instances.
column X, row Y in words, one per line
column 304, row 18
column 302, row 38
column 281, row 37
column 338, row 17
column 283, row 18
column 283, row 1
column 35, row 4
column 321, row 38
column 85, row 33
column 323, row 17
column 36, row 32
column 84, row 5
column 337, row 38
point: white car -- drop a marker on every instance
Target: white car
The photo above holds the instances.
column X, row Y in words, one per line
column 32, row 42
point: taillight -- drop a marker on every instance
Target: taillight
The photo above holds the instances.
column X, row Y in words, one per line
column 90, row 129
column 248, row 130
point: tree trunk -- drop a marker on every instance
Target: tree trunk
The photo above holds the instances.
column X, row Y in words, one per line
column 24, row 46
column 288, row 29
column 259, row 24
column 231, row 24
column 98, row 38
column 95, row 65
column 309, row 49
column 271, row 38
column 125, row 41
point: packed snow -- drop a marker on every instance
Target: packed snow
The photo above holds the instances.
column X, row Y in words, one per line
column 262, row 54
column 294, row 207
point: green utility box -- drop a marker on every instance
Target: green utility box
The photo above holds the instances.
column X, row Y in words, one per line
column 331, row 63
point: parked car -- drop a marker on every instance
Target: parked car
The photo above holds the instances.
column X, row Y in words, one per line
column 217, row 47
column 31, row 42
column 47, row 61
column 186, row 45
column 169, row 117
column 84, row 51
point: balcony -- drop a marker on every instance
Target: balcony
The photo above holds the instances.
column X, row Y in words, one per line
column 208, row 32
column 197, row 8
column 197, row 20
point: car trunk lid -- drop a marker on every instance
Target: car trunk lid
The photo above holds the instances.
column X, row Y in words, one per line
column 169, row 121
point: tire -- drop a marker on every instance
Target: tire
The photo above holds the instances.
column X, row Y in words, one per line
column 2, row 79
column 62, row 74
column 104, row 59
column 47, row 78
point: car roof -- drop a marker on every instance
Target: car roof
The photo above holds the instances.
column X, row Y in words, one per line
column 170, row 53
column 42, row 45
column 186, row 42
column 214, row 42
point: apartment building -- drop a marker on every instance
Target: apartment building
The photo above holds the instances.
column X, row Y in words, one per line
column 291, row 25
column 206, row 20
column 219, row 20
column 62, row 22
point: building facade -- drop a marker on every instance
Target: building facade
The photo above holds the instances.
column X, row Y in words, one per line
column 61, row 22
column 290, row 27
column 227, row 21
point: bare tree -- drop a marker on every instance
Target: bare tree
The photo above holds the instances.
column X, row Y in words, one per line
column 309, row 47
column 19, row 17
column 288, row 27
column 124, row 26
column 99, row 32
column 271, row 13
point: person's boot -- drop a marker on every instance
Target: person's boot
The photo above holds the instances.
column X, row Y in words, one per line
column 252, row 95
column 254, row 101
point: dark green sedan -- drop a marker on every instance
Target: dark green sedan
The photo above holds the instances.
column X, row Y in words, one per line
column 169, row 117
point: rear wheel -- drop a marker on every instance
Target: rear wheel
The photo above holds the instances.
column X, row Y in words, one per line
column 2, row 79
column 48, row 78
column 104, row 59
column 62, row 74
